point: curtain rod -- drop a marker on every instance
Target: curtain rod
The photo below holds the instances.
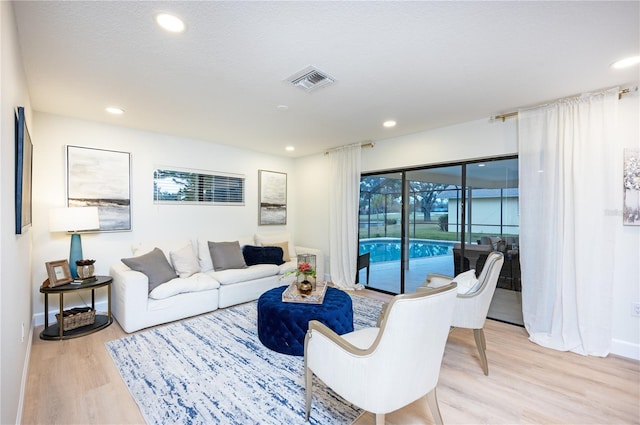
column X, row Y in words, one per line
column 515, row 113
column 362, row 145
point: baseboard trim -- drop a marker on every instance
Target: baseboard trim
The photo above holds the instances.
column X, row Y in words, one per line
column 625, row 349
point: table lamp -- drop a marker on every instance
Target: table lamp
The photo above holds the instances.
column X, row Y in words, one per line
column 74, row 220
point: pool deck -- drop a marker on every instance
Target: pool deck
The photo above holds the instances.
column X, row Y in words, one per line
column 386, row 275
column 506, row 305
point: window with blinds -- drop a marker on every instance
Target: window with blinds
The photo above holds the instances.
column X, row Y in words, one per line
column 197, row 187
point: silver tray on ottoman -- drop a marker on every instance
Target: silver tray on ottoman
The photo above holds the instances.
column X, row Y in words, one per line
column 292, row 295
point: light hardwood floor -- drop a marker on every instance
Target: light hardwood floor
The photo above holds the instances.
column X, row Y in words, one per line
column 76, row 382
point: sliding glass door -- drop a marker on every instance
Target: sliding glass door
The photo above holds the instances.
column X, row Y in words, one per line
column 380, row 230
column 429, row 237
column 413, row 222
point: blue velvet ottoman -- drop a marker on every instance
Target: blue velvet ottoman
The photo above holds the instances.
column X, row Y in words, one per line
column 283, row 326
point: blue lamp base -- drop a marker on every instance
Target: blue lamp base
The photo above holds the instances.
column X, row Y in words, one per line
column 75, row 254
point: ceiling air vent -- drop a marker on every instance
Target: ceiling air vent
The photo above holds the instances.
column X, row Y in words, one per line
column 310, row 78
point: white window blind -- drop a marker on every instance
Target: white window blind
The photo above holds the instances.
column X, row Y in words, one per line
column 197, row 187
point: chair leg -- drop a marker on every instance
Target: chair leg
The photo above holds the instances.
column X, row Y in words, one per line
column 379, row 418
column 308, row 382
column 432, row 400
column 481, row 343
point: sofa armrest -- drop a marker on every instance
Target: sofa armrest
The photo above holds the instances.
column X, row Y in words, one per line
column 319, row 260
column 130, row 295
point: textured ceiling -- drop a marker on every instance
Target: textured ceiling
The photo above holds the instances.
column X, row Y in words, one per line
column 423, row 64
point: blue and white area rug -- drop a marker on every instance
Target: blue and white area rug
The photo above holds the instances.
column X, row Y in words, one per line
column 213, row 370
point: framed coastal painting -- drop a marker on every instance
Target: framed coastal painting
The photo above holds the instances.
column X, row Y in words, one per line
column 272, row 201
column 23, row 166
column 631, row 181
column 101, row 178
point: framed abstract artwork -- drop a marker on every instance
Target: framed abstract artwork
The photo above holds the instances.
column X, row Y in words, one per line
column 631, row 187
column 272, row 201
column 23, row 167
column 101, row 178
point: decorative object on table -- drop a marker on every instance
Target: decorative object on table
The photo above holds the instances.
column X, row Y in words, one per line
column 85, row 268
column 101, row 178
column 24, row 160
column 306, row 271
column 293, row 295
column 58, row 272
column 76, row 317
column 631, row 180
column 273, row 198
column 74, row 220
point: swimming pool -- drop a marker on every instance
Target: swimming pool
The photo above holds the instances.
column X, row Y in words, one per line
column 388, row 249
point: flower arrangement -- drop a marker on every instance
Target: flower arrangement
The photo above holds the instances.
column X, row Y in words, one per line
column 304, row 269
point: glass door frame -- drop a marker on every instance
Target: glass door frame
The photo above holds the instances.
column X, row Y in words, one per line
column 405, row 209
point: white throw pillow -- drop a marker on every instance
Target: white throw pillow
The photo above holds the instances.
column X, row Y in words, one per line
column 184, row 261
column 267, row 239
column 166, row 247
column 466, row 281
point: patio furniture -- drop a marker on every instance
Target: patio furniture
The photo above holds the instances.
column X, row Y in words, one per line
column 381, row 369
column 363, row 262
column 474, row 257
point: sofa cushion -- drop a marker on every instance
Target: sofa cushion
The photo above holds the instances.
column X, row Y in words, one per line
column 185, row 261
column 231, row 276
column 226, row 255
column 270, row 239
column 284, row 246
column 262, row 255
column 289, row 266
column 195, row 283
column 154, row 265
column 204, row 255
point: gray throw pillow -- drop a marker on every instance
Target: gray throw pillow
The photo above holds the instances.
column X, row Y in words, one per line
column 226, row 255
column 154, row 265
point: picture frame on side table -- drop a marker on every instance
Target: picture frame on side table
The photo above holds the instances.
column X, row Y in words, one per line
column 23, row 172
column 101, row 178
column 272, row 202
column 59, row 273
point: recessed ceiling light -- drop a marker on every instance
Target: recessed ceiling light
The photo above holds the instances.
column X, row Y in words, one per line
column 114, row 110
column 282, row 107
column 389, row 124
column 170, row 22
column 290, row 149
column 626, row 62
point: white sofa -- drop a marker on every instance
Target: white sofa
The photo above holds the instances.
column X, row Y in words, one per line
column 198, row 288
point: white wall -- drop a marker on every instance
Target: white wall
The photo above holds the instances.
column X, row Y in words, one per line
column 484, row 139
column 15, row 250
column 150, row 222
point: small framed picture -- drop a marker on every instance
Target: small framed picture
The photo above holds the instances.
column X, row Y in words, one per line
column 59, row 273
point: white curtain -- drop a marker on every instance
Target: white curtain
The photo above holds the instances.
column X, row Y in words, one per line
column 344, row 171
column 566, row 188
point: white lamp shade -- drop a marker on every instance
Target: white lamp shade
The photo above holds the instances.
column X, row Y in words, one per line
column 73, row 219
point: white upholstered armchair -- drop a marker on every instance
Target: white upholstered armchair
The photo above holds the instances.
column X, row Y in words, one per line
column 471, row 308
column 383, row 369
